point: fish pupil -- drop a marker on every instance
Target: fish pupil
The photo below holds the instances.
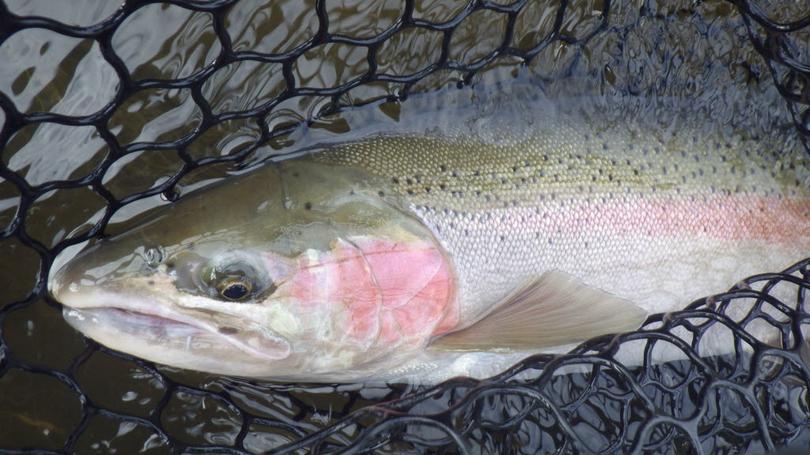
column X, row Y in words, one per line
column 235, row 291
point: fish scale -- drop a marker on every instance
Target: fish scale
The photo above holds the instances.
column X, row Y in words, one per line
column 627, row 212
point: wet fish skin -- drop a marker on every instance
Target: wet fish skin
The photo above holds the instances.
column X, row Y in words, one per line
column 654, row 221
column 659, row 222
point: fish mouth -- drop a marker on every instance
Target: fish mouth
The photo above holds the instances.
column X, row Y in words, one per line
column 93, row 312
column 136, row 318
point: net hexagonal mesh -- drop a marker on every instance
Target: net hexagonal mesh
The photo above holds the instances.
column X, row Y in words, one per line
column 110, row 109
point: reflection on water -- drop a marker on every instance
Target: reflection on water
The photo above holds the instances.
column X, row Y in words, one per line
column 293, row 111
column 409, row 51
column 535, row 24
column 469, row 31
column 107, row 435
column 271, row 27
column 44, row 71
column 243, row 85
column 155, row 115
column 438, row 12
column 25, row 152
column 350, row 17
column 161, row 41
column 226, row 138
column 63, row 214
column 330, row 65
column 140, row 171
column 659, row 53
column 80, row 12
column 9, row 203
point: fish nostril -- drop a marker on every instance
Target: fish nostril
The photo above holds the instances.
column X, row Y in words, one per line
column 153, row 256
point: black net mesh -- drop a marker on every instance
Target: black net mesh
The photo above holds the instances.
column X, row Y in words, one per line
column 151, row 128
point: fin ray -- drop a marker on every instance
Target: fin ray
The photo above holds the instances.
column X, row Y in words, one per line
column 552, row 310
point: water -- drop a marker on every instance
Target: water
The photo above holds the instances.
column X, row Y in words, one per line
column 650, row 54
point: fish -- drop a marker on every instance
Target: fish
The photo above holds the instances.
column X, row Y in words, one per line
column 428, row 256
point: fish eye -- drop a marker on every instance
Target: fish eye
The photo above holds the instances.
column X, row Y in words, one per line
column 233, row 280
column 234, row 289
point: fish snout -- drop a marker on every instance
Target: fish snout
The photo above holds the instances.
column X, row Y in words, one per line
column 62, row 281
column 95, row 268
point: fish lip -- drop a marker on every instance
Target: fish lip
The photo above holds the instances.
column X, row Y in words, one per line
column 128, row 312
column 86, row 305
column 79, row 303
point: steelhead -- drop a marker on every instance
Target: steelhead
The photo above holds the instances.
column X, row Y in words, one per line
column 424, row 257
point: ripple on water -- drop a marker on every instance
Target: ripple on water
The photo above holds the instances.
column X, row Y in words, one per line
column 63, row 214
column 198, row 416
column 44, row 71
column 9, row 203
column 155, row 115
column 271, row 27
column 26, row 152
column 125, row 386
column 243, row 85
column 330, row 66
column 162, row 41
column 106, row 434
column 140, row 171
column 81, row 12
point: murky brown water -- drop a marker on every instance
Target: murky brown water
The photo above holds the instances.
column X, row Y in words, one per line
column 673, row 51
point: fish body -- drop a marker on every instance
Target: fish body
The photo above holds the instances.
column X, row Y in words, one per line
column 384, row 258
column 656, row 223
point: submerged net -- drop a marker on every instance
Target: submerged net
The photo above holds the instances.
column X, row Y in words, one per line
column 151, row 128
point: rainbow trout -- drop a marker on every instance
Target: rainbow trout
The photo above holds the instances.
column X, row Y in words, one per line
column 424, row 257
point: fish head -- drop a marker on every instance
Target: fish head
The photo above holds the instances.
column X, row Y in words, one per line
column 300, row 272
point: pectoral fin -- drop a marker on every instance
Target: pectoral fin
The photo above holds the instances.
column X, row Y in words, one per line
column 552, row 310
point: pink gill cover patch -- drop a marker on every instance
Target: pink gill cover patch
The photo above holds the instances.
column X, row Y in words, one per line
column 399, row 290
column 416, row 287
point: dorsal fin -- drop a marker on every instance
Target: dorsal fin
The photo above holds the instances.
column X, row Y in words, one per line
column 552, row 310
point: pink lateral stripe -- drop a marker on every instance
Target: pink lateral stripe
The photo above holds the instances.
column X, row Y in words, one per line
column 781, row 221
